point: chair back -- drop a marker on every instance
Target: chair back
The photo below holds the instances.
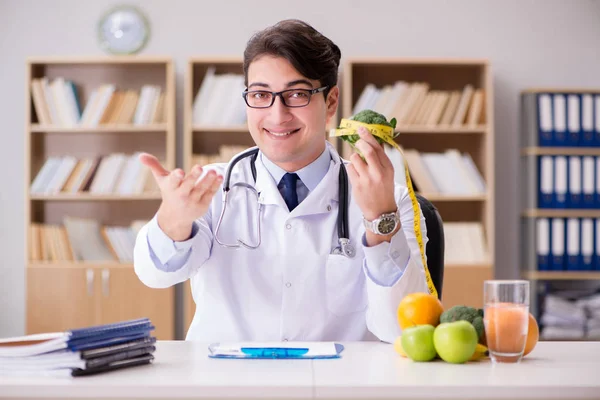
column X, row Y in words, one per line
column 435, row 246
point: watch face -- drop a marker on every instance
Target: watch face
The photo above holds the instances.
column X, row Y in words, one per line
column 386, row 226
column 123, row 30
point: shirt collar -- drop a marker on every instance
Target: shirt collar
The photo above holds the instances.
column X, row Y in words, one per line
column 310, row 175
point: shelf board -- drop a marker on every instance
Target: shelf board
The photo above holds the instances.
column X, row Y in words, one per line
column 562, row 275
column 221, row 128
column 104, row 60
column 561, row 90
column 561, row 213
column 428, row 61
column 121, row 128
column 465, row 129
column 466, row 265
column 78, row 264
column 443, row 197
column 559, row 151
column 95, row 197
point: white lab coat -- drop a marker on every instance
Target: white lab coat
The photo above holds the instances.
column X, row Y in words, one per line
column 291, row 287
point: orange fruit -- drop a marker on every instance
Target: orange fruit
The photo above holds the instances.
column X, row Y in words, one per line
column 533, row 335
column 419, row 309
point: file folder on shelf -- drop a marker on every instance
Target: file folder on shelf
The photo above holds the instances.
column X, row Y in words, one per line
column 587, row 120
column 560, row 120
column 573, row 120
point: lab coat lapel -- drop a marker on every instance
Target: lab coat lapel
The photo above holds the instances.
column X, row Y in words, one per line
column 266, row 187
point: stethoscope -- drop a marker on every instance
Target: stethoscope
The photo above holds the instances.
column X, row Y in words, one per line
column 345, row 247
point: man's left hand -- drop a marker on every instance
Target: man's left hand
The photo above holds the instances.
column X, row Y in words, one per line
column 372, row 179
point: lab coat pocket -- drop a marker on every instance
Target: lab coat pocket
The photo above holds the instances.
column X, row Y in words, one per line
column 346, row 285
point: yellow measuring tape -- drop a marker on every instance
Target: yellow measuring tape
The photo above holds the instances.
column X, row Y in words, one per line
column 350, row 127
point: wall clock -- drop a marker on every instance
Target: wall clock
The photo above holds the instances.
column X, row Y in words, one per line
column 123, row 30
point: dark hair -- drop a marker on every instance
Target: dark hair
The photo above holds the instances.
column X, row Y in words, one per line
column 311, row 53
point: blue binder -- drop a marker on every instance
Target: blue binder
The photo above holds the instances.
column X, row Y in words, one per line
column 560, row 120
column 76, row 339
column 557, row 235
column 546, row 182
column 597, row 181
column 561, row 181
column 587, row 244
column 573, row 120
column 587, row 120
column 596, row 262
column 544, row 119
column 109, row 334
column 588, row 182
column 596, row 120
column 543, row 244
column 573, row 244
column 575, row 182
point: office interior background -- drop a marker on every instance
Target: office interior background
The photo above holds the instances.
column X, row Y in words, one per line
column 527, row 44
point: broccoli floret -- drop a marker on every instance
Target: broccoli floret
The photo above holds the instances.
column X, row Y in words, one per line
column 465, row 313
column 369, row 117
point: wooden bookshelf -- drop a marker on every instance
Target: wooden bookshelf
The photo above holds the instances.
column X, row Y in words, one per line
column 426, row 130
column 116, row 105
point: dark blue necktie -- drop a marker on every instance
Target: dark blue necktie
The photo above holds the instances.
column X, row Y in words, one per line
column 289, row 190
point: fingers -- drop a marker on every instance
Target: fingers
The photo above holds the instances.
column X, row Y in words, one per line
column 174, row 179
column 152, row 162
column 189, row 181
column 207, row 185
column 208, row 194
column 370, row 148
column 359, row 165
column 352, row 174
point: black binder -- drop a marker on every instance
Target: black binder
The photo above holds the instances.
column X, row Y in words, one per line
column 114, row 365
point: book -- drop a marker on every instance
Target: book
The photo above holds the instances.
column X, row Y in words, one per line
column 81, row 351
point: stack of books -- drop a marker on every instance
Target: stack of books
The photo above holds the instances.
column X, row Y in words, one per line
column 79, row 352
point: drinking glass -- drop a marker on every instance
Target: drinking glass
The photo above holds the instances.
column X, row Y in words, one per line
column 506, row 318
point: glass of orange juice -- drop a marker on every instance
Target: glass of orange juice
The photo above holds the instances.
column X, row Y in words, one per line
column 506, row 318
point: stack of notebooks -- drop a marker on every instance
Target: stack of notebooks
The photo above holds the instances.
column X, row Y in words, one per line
column 79, row 352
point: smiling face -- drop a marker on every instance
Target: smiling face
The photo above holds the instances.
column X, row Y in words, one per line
column 293, row 137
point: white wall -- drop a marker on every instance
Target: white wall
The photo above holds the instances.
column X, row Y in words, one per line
column 530, row 44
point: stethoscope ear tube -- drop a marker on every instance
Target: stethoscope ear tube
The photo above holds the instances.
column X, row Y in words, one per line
column 250, row 152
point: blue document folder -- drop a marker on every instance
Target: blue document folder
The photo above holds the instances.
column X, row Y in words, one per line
column 276, row 350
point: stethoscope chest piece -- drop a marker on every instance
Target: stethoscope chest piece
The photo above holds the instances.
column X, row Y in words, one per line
column 345, row 248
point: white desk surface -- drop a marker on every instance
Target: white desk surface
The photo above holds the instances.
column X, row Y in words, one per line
column 554, row 370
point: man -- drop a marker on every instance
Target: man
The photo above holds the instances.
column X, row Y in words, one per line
column 292, row 286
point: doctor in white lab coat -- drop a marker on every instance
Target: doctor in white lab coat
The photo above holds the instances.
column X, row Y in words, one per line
column 291, row 288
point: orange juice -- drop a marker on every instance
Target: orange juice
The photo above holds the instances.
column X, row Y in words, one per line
column 506, row 327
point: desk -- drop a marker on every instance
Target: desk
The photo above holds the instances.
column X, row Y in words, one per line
column 554, row 370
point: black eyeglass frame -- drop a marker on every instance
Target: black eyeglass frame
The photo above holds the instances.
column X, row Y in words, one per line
column 274, row 95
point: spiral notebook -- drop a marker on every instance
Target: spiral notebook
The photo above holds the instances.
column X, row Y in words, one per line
column 76, row 339
column 79, row 352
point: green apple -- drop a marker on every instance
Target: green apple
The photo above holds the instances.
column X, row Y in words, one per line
column 455, row 342
column 417, row 342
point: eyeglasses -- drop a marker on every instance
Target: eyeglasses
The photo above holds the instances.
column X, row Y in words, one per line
column 289, row 97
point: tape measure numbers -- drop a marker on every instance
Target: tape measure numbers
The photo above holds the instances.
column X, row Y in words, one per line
column 349, row 127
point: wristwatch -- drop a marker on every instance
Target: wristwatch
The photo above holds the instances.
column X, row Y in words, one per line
column 384, row 224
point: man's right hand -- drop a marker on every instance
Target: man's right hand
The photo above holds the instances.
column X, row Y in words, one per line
column 183, row 200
